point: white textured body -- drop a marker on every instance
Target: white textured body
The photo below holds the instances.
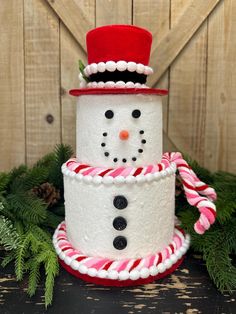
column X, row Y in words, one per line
column 149, row 214
column 89, row 207
column 92, row 123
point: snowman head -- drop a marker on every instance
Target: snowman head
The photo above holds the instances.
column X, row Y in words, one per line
column 119, row 130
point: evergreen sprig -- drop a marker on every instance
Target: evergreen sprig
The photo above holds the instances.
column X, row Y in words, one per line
column 61, row 155
column 27, row 223
column 9, row 238
column 81, row 69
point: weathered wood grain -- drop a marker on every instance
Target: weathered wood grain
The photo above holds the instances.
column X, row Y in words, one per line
column 220, row 146
column 12, row 126
column 113, row 12
column 70, row 53
column 42, row 74
column 188, row 23
column 187, row 100
column 154, row 15
column 72, row 14
column 188, row 290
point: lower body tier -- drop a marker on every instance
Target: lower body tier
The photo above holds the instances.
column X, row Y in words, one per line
column 115, row 218
column 124, row 272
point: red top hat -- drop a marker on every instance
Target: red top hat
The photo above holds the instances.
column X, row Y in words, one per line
column 119, row 42
column 124, row 43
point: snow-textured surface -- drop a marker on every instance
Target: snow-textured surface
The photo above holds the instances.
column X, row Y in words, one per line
column 92, row 123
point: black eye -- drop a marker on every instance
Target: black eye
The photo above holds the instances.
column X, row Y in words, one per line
column 136, row 113
column 109, row 114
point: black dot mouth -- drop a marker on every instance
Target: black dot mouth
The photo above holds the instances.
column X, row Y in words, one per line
column 125, row 160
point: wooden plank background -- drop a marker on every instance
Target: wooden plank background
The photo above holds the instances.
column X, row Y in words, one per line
column 42, row 40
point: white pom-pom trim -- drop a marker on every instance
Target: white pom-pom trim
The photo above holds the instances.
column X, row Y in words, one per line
column 108, row 180
column 111, row 273
column 121, row 66
column 112, row 84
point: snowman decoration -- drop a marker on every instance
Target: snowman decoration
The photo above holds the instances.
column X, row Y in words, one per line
column 119, row 224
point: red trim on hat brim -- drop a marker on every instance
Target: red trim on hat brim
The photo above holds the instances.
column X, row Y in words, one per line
column 103, row 91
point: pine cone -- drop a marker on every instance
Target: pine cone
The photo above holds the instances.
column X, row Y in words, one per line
column 48, row 193
column 179, row 189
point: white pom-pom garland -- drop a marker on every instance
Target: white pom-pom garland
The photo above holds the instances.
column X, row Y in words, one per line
column 112, row 84
column 101, row 67
column 111, row 66
column 132, row 66
column 62, row 246
column 121, row 66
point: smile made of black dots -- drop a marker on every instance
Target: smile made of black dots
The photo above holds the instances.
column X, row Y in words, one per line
column 135, row 114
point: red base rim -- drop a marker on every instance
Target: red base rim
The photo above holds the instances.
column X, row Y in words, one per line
column 120, row 283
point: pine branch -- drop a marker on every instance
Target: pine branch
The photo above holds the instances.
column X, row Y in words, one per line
column 41, row 235
column 45, row 161
column 225, row 186
column 58, row 209
column 19, row 226
column 21, row 255
column 34, row 277
column 29, row 179
column 17, row 173
column 9, row 238
column 8, row 258
column 4, row 181
column 219, row 265
column 52, row 220
column 48, row 258
column 62, row 154
column 27, row 207
column 51, row 270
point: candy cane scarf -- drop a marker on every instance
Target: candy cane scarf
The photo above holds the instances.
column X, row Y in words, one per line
column 194, row 188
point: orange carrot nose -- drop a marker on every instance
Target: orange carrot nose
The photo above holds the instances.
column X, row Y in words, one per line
column 124, row 135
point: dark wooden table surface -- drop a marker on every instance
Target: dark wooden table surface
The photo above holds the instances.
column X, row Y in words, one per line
column 187, row 290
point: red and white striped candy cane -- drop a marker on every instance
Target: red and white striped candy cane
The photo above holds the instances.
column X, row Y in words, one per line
column 193, row 187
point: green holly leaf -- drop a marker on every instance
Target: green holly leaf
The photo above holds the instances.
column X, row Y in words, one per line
column 81, row 69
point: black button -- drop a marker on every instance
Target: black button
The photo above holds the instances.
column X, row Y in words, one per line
column 119, row 223
column 136, row 113
column 120, row 202
column 120, row 243
column 109, row 114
